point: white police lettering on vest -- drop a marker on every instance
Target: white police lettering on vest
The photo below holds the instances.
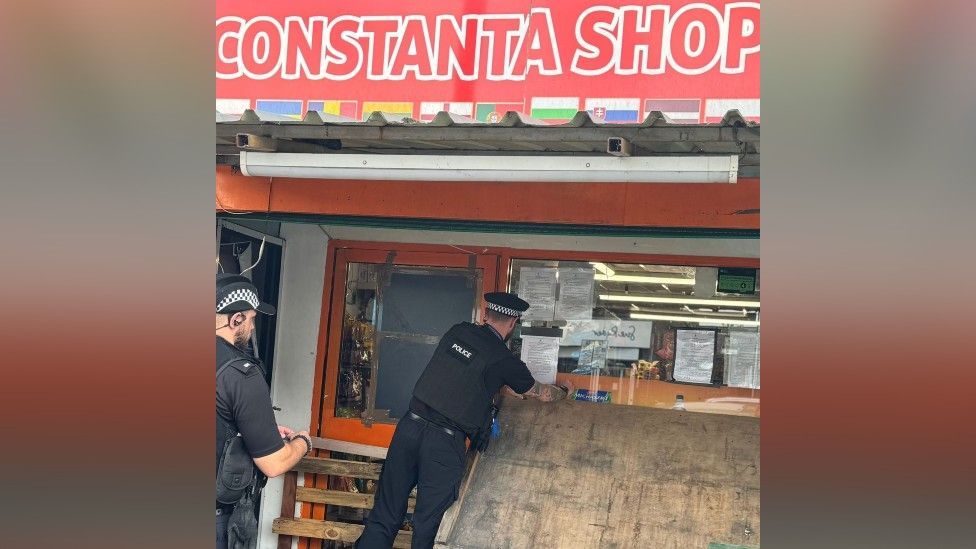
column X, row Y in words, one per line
column 462, row 350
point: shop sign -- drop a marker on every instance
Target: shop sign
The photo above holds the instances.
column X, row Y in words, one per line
column 617, row 333
column 589, row 396
column 737, row 281
column 545, row 58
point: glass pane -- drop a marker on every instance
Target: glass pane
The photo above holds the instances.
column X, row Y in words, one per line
column 644, row 334
column 426, row 301
column 417, row 308
column 391, row 329
column 358, row 340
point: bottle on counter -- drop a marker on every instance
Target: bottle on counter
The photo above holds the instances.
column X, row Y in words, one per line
column 679, row 402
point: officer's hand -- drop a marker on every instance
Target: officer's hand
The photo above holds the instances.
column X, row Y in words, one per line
column 550, row 393
column 509, row 391
column 285, row 432
column 570, row 389
column 295, row 435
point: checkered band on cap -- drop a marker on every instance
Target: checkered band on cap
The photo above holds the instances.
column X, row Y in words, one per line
column 239, row 295
column 504, row 310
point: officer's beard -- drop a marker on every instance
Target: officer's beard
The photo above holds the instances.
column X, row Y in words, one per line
column 241, row 338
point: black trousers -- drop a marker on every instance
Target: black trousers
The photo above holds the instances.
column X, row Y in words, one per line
column 422, row 455
column 222, row 520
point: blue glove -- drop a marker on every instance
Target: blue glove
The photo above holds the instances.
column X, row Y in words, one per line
column 496, row 429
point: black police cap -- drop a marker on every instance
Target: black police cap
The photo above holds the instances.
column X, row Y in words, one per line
column 506, row 303
column 236, row 293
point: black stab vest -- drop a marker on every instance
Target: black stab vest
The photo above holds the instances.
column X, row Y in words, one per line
column 453, row 383
column 225, row 429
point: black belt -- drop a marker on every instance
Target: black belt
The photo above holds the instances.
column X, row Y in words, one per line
column 415, row 417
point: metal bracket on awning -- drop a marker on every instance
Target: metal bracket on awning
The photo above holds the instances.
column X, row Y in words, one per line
column 261, row 143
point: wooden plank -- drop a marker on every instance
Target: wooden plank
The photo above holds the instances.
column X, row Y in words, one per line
column 325, row 529
column 339, row 467
column 580, row 474
column 290, row 483
column 345, row 499
column 377, row 452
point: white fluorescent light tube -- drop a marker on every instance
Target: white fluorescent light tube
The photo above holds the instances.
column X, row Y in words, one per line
column 700, row 320
column 602, row 267
column 646, row 279
column 403, row 167
column 739, row 313
column 679, row 299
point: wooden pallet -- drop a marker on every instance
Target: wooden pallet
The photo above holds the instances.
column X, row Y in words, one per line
column 326, row 529
column 289, row 526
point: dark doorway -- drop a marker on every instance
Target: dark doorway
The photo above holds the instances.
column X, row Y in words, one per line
column 238, row 252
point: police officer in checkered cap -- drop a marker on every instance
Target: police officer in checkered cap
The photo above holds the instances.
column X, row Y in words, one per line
column 244, row 409
column 452, row 401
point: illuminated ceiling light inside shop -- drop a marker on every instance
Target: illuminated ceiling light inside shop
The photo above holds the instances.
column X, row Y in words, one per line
column 679, row 299
column 646, row 279
column 700, row 320
column 401, row 167
column 602, row 267
column 741, row 313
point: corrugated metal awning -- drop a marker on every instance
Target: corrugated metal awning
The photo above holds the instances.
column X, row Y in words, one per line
column 514, row 134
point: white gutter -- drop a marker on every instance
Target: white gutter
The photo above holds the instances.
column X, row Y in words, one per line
column 597, row 169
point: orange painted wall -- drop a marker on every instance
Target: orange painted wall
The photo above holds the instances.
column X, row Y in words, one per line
column 719, row 206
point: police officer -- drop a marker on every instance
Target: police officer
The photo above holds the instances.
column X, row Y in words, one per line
column 244, row 403
column 452, row 401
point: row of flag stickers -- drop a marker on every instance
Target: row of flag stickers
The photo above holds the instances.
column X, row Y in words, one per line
column 554, row 110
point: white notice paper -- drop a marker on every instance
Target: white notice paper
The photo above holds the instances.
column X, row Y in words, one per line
column 538, row 287
column 742, row 359
column 541, row 354
column 694, row 356
column 575, row 294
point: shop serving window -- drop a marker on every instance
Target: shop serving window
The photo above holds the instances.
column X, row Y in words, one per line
column 662, row 336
